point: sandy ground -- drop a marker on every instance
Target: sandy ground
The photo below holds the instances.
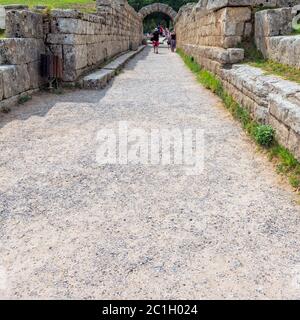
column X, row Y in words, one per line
column 71, row 228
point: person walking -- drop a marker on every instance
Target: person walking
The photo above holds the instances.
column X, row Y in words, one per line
column 155, row 40
column 173, row 41
column 168, row 38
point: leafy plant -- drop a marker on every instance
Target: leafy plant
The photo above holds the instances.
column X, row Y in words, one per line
column 24, row 98
column 264, row 135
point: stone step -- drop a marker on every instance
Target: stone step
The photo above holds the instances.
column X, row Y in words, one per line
column 100, row 78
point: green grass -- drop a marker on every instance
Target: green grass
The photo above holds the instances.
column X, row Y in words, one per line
column 281, row 70
column 2, row 33
column 83, row 5
column 263, row 135
column 255, row 58
column 24, row 98
column 295, row 32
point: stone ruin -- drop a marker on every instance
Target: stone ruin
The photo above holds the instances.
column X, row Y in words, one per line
column 211, row 31
column 158, row 7
column 82, row 42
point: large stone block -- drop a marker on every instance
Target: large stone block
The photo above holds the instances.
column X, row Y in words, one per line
column 20, row 50
column 282, row 131
column 270, row 23
column 15, row 79
column 70, row 39
column 75, row 58
column 24, row 24
column 69, row 25
column 284, row 49
column 294, row 143
column 218, row 4
column 34, row 75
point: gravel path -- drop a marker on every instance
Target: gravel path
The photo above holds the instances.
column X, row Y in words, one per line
column 73, row 229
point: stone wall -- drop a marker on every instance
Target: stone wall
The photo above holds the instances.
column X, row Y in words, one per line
column 269, row 99
column 210, row 31
column 20, row 56
column 82, row 41
column 273, row 37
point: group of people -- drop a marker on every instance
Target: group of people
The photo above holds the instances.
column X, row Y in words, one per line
column 169, row 36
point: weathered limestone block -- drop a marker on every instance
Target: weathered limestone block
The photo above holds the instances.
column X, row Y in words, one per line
column 15, row 79
column 284, row 49
column 75, row 58
column 24, row 24
column 282, row 131
column 69, row 25
column 233, row 20
column 34, row 74
column 275, row 22
column 270, row 23
column 96, row 53
column 68, row 13
column 71, row 39
column 294, row 143
column 218, row 4
column 20, row 50
column 224, row 56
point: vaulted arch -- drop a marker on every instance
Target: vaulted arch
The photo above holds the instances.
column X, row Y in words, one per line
column 158, row 7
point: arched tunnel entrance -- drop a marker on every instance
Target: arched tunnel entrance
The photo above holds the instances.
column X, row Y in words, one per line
column 157, row 14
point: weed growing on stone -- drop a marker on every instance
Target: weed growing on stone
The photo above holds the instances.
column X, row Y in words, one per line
column 283, row 71
column 255, row 58
column 2, row 33
column 24, row 98
column 263, row 135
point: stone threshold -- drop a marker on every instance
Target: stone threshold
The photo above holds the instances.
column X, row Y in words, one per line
column 100, row 78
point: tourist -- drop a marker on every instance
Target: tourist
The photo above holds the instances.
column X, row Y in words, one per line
column 168, row 38
column 155, row 40
column 173, row 41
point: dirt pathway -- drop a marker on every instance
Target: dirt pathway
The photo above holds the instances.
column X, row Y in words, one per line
column 70, row 228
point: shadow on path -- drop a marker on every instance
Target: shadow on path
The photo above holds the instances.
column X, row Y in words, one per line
column 43, row 101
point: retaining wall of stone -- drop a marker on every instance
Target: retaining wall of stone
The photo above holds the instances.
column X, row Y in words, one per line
column 20, row 56
column 273, row 29
column 211, row 32
column 269, row 99
column 82, row 41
